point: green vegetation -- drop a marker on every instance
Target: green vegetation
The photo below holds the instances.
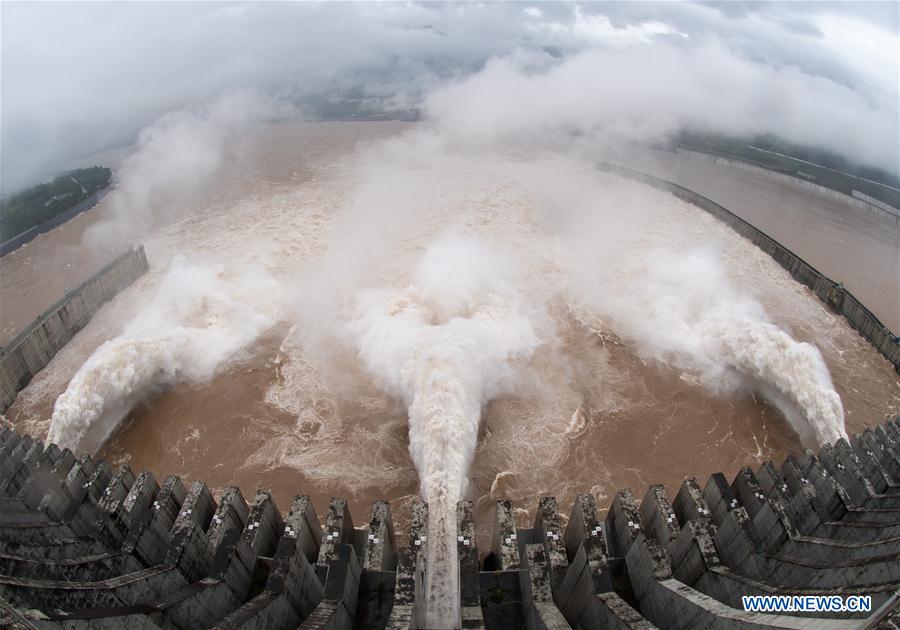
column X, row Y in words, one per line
column 41, row 203
column 814, row 165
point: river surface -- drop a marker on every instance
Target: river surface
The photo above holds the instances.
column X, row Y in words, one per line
column 849, row 244
column 591, row 413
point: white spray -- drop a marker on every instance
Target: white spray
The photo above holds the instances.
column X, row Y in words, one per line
column 175, row 160
column 446, row 344
column 194, row 323
column 681, row 309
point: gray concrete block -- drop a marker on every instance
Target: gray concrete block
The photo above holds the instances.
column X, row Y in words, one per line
column 264, row 525
column 151, row 542
column 886, row 455
column 824, row 495
column 694, row 551
column 586, row 528
column 867, row 467
column 748, row 492
column 198, row 605
column 337, row 609
column 303, row 524
column 411, row 573
column 293, row 575
column 872, row 466
column 719, row 497
column 375, row 601
column 16, row 475
column 467, row 554
column 47, row 476
column 188, row 550
column 689, row 503
column 576, row 595
column 616, row 614
column 504, row 543
column 115, row 493
column 548, row 531
column 338, row 530
column 623, row 523
column 381, row 547
column 11, row 461
column 658, row 518
column 232, row 559
column 125, row 590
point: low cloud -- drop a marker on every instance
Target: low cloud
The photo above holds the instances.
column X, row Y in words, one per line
column 647, row 93
column 122, row 65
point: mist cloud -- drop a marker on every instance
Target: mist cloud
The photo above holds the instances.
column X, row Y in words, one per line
column 648, row 93
column 174, row 161
column 79, row 78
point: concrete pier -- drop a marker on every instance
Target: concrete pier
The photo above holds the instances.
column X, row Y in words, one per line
column 83, row 547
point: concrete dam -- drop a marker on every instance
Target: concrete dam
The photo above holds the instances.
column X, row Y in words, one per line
column 84, row 546
column 31, row 350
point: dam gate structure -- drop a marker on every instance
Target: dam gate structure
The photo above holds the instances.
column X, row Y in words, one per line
column 31, row 350
column 83, row 546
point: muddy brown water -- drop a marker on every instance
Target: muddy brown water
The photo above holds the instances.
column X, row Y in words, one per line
column 609, row 419
column 858, row 247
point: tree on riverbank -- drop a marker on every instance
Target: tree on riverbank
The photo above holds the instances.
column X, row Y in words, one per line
column 43, row 202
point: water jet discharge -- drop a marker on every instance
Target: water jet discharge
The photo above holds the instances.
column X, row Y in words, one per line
column 430, row 297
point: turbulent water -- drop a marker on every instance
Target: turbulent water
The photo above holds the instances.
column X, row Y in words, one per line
column 192, row 325
column 683, row 309
column 456, row 323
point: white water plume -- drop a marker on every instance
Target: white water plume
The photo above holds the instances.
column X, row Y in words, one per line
column 681, row 309
column 445, row 344
column 197, row 321
column 175, row 160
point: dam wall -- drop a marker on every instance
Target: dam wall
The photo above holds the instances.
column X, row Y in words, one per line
column 858, row 199
column 28, row 353
column 839, row 299
column 875, row 202
column 84, row 546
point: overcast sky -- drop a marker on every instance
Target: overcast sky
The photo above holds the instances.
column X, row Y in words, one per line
column 78, row 78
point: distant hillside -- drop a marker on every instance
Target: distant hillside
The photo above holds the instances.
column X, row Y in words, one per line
column 41, row 203
column 815, row 165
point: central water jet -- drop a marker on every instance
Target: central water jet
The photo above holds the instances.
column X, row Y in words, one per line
column 446, row 344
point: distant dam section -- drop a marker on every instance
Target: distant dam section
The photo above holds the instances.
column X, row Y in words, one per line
column 32, row 349
column 832, row 293
column 858, row 247
column 857, row 198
